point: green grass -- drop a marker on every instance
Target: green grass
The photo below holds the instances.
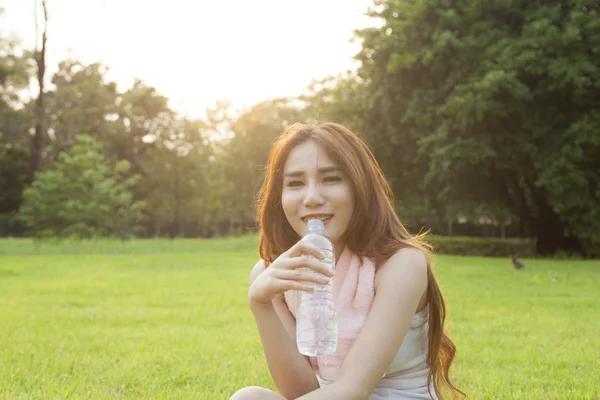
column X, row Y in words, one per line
column 168, row 320
column 246, row 243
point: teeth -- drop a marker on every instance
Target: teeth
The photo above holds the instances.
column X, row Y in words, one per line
column 322, row 217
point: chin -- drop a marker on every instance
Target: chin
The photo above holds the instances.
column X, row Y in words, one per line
column 331, row 234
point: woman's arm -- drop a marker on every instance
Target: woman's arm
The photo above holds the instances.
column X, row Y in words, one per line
column 400, row 285
column 291, row 371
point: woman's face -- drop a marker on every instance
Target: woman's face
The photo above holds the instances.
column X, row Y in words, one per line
column 315, row 186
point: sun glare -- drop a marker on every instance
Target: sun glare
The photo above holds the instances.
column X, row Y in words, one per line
column 196, row 53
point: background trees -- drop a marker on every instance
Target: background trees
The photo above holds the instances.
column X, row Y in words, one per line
column 481, row 114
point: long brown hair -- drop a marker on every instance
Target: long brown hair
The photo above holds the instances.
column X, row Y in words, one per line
column 375, row 230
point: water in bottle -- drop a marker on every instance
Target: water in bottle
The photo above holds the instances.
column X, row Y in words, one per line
column 316, row 325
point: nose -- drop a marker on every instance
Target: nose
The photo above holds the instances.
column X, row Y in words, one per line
column 312, row 196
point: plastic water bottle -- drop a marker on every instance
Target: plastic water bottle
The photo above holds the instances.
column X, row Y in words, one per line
column 316, row 324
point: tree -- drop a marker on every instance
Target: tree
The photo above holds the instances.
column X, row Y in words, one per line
column 82, row 195
column 81, row 102
column 176, row 178
column 494, row 104
column 37, row 142
column 145, row 117
column 342, row 99
column 243, row 157
column 15, row 72
column 14, row 166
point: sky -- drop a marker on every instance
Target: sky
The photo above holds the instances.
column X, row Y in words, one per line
column 199, row 52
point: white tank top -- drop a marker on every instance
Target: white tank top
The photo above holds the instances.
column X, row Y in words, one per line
column 406, row 377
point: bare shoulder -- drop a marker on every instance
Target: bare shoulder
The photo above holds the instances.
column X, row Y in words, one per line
column 257, row 270
column 406, row 258
column 407, row 265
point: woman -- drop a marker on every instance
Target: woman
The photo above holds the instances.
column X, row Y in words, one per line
column 400, row 350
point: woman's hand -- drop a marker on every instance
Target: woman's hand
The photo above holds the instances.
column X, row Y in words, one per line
column 288, row 272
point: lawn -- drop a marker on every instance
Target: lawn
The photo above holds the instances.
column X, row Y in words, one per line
column 168, row 320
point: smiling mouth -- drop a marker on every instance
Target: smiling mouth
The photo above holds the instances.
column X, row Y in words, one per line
column 322, row 217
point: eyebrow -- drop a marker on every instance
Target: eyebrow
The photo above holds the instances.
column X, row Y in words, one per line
column 323, row 170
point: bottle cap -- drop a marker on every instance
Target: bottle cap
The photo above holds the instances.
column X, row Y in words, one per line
column 315, row 225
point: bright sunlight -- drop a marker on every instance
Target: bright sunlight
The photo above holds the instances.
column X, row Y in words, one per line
column 196, row 53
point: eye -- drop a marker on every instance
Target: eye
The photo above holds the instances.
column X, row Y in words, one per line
column 294, row 183
column 332, row 178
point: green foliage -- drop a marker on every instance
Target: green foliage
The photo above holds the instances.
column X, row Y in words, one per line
column 478, row 111
column 342, row 99
column 82, row 195
column 15, row 68
column 245, row 155
column 14, row 164
column 491, row 104
column 175, row 180
column 81, row 102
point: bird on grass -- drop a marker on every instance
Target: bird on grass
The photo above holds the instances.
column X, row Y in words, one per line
column 517, row 264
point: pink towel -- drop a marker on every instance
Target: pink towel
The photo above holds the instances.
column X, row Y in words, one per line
column 354, row 291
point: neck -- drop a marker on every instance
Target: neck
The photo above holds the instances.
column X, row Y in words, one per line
column 339, row 248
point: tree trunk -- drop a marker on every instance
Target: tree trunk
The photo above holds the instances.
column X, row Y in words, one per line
column 550, row 233
column 37, row 143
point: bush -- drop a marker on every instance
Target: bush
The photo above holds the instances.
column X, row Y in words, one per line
column 487, row 247
column 82, row 195
column 591, row 249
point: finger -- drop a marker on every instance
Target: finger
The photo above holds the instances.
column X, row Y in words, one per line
column 309, row 262
column 301, row 276
column 282, row 285
column 305, row 287
column 303, row 247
